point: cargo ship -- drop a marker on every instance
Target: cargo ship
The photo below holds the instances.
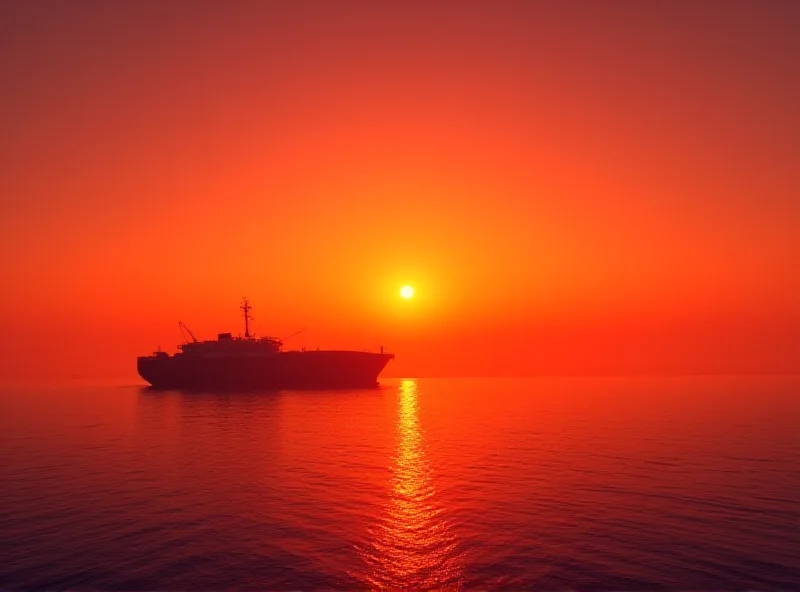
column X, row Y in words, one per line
column 249, row 362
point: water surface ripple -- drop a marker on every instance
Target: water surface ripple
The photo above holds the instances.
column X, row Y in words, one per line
column 546, row 483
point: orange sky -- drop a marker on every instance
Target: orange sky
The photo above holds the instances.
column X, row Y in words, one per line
column 572, row 187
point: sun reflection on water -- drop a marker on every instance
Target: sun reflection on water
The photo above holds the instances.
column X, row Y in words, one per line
column 412, row 546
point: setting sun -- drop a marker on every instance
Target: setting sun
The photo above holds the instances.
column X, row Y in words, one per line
column 406, row 292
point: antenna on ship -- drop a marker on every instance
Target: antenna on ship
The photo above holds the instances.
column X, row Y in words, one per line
column 247, row 318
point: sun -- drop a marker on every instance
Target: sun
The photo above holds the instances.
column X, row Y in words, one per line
column 406, row 292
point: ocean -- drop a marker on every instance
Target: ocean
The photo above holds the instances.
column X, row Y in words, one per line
column 623, row 483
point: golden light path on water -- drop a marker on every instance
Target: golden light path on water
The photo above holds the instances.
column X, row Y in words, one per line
column 412, row 546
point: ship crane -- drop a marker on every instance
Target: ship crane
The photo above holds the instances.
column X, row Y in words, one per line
column 183, row 328
column 293, row 334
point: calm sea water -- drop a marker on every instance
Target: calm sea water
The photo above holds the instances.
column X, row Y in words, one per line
column 589, row 483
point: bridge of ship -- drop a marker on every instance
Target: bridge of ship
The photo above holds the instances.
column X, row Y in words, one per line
column 227, row 344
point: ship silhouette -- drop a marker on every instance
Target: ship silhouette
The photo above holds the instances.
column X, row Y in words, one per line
column 251, row 362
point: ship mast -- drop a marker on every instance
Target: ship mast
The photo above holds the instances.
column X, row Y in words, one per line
column 246, row 308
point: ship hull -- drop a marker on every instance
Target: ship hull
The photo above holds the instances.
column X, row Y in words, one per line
column 282, row 370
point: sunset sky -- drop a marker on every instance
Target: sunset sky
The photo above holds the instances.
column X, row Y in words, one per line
column 570, row 187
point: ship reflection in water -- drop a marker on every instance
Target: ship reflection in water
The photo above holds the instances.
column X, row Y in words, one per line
column 412, row 545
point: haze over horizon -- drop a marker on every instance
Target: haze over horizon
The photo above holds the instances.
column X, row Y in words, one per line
column 570, row 187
